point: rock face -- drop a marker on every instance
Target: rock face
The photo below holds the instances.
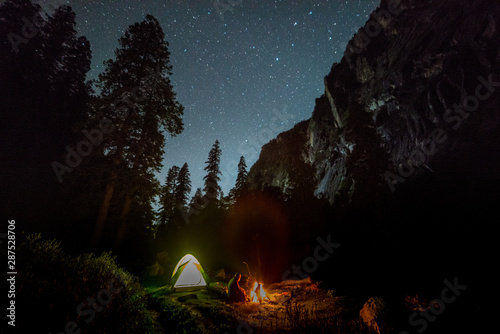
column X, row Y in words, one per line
column 415, row 93
column 283, row 163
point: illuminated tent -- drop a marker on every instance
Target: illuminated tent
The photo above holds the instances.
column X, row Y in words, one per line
column 189, row 274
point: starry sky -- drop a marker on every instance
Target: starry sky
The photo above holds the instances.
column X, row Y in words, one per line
column 245, row 70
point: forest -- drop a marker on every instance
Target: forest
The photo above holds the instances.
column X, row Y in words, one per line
column 98, row 234
column 79, row 167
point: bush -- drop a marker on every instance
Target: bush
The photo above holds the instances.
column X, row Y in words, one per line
column 174, row 317
column 89, row 292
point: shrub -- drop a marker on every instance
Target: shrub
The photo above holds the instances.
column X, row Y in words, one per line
column 174, row 317
column 90, row 292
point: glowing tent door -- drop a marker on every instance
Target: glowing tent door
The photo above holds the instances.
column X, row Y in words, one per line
column 189, row 273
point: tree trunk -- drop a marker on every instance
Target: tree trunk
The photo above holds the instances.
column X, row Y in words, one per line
column 103, row 211
column 123, row 221
column 128, row 198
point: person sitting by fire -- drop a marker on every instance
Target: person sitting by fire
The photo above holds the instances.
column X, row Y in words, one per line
column 234, row 292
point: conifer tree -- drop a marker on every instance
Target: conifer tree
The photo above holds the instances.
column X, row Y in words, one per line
column 167, row 197
column 138, row 101
column 241, row 182
column 212, row 179
column 241, row 178
column 183, row 188
column 43, row 93
column 197, row 202
column 43, row 96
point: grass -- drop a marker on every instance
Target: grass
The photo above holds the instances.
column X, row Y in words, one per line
column 201, row 311
column 63, row 289
column 173, row 317
column 298, row 319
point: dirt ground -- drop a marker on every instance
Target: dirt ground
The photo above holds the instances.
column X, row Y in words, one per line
column 298, row 307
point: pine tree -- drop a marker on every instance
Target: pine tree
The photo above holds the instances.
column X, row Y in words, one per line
column 241, row 182
column 198, row 202
column 183, row 188
column 43, row 96
column 241, row 178
column 138, row 100
column 212, row 188
column 167, row 197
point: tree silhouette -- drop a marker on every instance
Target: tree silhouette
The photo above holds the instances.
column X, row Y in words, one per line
column 138, row 99
column 197, row 202
column 212, row 179
column 43, row 93
column 43, row 96
column 183, row 188
column 167, row 196
column 174, row 198
column 241, row 180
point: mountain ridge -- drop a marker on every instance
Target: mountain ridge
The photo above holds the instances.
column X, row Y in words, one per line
column 414, row 94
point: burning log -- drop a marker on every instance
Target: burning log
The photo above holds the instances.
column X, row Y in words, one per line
column 257, row 294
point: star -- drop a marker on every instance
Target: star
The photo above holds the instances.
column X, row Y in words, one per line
column 229, row 74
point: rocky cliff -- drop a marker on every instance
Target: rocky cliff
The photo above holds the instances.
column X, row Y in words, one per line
column 415, row 94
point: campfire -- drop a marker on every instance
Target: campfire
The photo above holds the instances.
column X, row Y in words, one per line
column 257, row 294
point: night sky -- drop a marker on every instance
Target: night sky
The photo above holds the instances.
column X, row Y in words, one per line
column 243, row 75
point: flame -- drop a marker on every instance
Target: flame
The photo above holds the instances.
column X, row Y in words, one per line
column 257, row 293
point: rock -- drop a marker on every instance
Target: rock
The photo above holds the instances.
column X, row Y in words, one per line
column 385, row 100
column 373, row 314
column 280, row 163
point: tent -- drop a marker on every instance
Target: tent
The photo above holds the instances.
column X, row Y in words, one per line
column 189, row 274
